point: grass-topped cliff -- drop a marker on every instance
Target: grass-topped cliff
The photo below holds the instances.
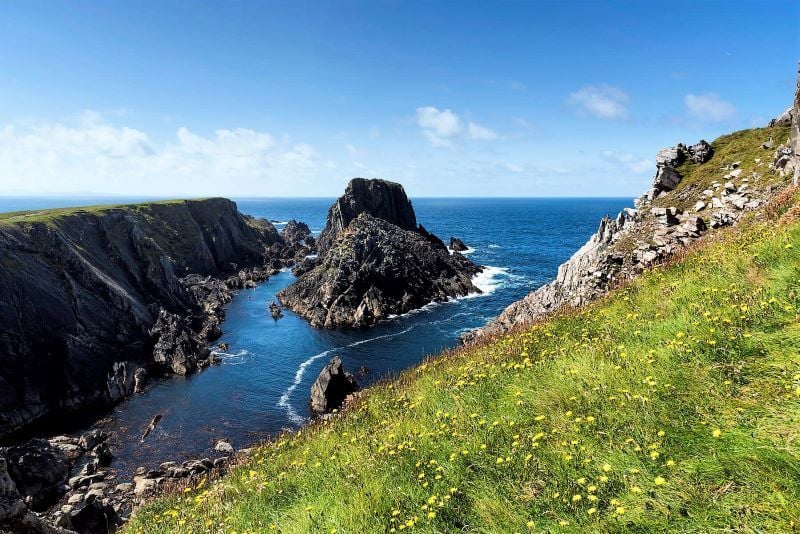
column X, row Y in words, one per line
column 672, row 404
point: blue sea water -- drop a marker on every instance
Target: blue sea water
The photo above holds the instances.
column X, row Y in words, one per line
column 263, row 383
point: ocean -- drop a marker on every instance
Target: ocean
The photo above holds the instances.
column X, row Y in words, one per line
column 263, row 383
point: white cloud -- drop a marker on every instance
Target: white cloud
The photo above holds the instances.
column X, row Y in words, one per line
column 91, row 154
column 601, row 101
column 442, row 128
column 513, row 167
column 631, row 162
column 709, row 107
column 479, row 132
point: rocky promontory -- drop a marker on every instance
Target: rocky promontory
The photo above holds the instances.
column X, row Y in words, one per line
column 375, row 261
column 92, row 300
column 696, row 190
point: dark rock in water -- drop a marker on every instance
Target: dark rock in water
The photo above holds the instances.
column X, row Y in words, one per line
column 275, row 310
column 297, row 233
column 152, row 426
column 331, row 388
column 457, row 245
column 39, row 471
column 376, row 262
column 178, row 347
column 375, row 270
column 380, row 198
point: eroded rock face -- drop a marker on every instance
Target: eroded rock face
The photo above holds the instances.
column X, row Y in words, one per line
column 380, row 198
column 375, row 270
column 332, row 387
column 39, row 471
column 81, row 293
column 651, row 233
column 375, row 263
column 297, row 232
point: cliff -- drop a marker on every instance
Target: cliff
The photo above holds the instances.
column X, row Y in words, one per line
column 696, row 190
column 90, row 296
column 380, row 198
column 374, row 261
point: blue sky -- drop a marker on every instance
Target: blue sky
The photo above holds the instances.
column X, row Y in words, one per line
column 449, row 98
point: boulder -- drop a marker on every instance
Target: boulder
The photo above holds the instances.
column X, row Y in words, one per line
column 700, row 152
column 667, row 178
column 331, row 388
column 224, row 446
column 92, row 517
column 783, row 119
column 39, row 471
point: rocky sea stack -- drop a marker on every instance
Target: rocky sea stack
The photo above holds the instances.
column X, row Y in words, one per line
column 375, row 261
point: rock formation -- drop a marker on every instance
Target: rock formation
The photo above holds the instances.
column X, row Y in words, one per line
column 457, row 245
column 380, row 198
column 331, row 388
column 91, row 298
column 652, row 232
column 372, row 268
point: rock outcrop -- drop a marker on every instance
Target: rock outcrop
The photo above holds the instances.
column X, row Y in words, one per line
column 91, row 299
column 373, row 268
column 652, row 232
column 457, row 245
column 380, row 198
column 331, row 388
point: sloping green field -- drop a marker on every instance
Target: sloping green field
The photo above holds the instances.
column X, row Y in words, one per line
column 674, row 404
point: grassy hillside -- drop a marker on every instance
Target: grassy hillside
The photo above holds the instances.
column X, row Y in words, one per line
column 47, row 215
column 742, row 148
column 674, row 404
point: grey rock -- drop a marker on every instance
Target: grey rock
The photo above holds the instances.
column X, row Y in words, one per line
column 224, row 446
column 331, row 388
column 85, row 294
column 700, row 152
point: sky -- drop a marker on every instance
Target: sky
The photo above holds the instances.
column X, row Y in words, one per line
column 294, row 98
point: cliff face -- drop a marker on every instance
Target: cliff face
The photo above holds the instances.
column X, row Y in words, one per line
column 375, row 262
column 696, row 189
column 86, row 295
column 380, row 198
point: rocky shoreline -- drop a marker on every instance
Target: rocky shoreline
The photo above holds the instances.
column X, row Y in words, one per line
column 136, row 291
column 667, row 219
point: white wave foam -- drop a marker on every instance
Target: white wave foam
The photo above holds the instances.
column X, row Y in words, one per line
column 284, row 403
column 492, row 245
column 469, row 250
column 231, row 358
column 489, row 280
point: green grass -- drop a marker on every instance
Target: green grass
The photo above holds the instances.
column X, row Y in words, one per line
column 673, row 404
column 744, row 147
column 49, row 215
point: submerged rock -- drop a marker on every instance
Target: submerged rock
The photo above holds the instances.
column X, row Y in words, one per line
column 332, row 387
